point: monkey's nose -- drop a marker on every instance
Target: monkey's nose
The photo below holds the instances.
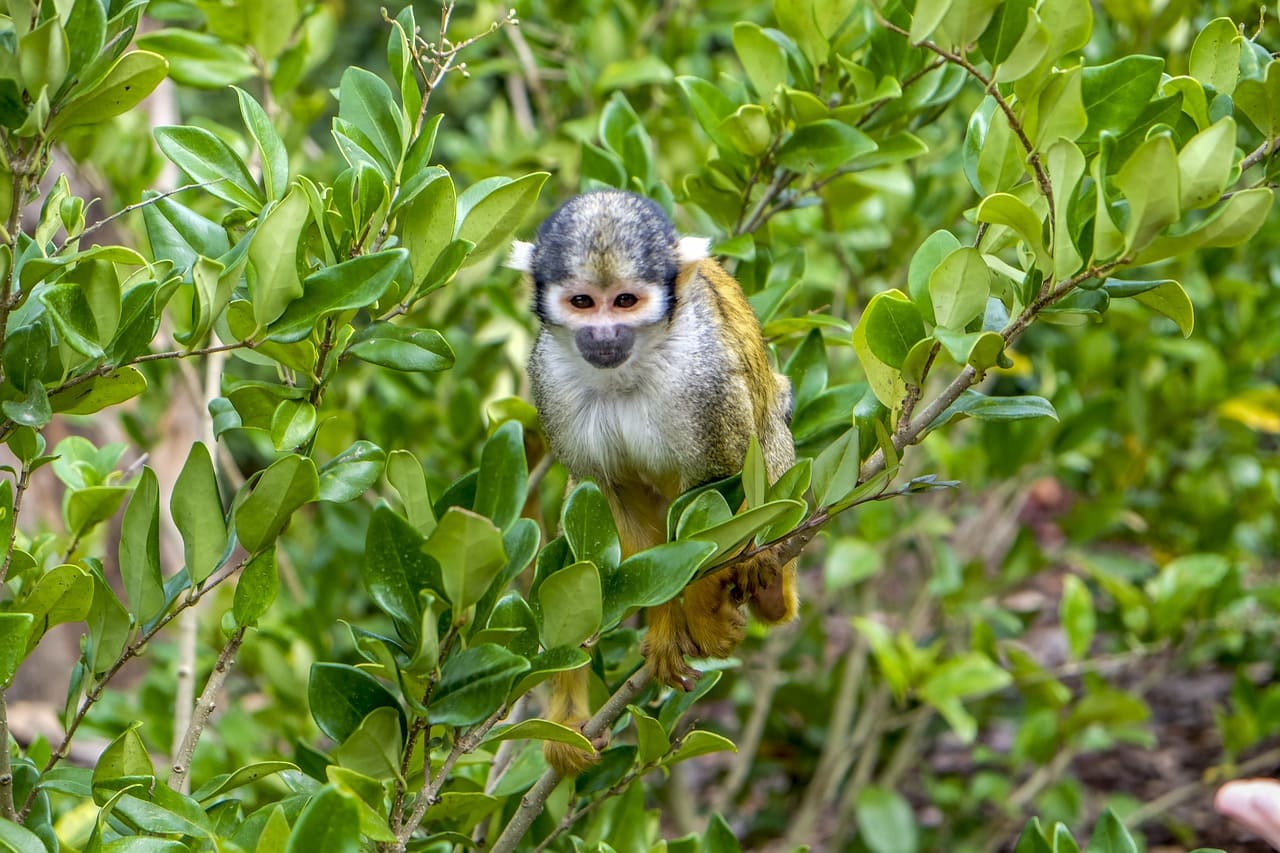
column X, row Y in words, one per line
column 605, row 346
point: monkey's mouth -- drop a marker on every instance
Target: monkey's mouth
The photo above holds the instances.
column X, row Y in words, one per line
column 605, row 346
column 606, row 357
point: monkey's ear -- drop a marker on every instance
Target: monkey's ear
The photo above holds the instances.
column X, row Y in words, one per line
column 521, row 257
column 690, row 250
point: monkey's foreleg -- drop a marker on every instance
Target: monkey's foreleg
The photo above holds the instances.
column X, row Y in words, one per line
column 570, row 706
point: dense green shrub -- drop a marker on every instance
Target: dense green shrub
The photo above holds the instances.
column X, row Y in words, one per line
column 904, row 190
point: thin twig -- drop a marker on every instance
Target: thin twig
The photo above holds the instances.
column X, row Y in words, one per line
column 204, row 707
column 130, row 652
column 24, row 480
column 532, row 803
column 430, row 793
column 1257, row 155
column 6, row 771
column 1161, row 804
column 124, row 211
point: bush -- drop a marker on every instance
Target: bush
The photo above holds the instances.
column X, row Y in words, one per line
column 904, row 190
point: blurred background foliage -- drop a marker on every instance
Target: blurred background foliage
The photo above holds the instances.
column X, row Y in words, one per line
column 1121, row 561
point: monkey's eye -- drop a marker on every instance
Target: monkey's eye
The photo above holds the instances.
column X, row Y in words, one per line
column 625, row 300
column 581, row 301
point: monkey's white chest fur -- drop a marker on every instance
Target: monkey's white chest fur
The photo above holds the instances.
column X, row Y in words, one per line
column 637, row 422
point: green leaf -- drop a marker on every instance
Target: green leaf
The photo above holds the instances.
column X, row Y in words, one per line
column 835, row 471
column 131, row 79
column 886, row 823
column 1077, row 616
column 272, row 273
column 210, row 161
column 140, row 549
column 926, row 259
column 1005, row 30
column 474, row 683
column 1215, row 55
column 490, row 211
column 365, row 103
column 1012, row 212
column 124, row 757
column 893, row 327
column 762, row 58
column 1149, row 180
column 926, row 18
column 470, row 552
column 292, row 425
column 589, row 527
column 651, row 737
column 396, row 570
column 405, row 474
column 33, row 410
column 330, row 822
column 976, row 405
column 959, row 288
column 570, row 604
column 729, row 536
column 341, row 697
column 1169, row 299
column 539, row 730
column 401, row 348
column 1116, row 94
column 1259, row 100
column 15, row 838
column 271, row 151
column 373, row 749
column 63, row 594
column 1060, row 111
column 886, row 382
column 246, row 775
column 15, row 629
column 503, row 484
column 1204, row 164
column 256, row 589
column 199, row 59
column 196, row 507
column 979, row 349
column 547, row 664
column 352, row 472
column 651, row 577
column 696, row 743
column 823, row 146
column 351, row 284
column 427, row 223
column 1110, row 836
column 289, row 483
column 73, row 318
column 965, row 677
column 26, row 352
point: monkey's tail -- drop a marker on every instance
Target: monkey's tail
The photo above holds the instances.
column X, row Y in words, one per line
column 569, row 706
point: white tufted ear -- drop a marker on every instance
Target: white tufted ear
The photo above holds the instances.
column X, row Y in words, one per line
column 521, row 257
column 690, row 250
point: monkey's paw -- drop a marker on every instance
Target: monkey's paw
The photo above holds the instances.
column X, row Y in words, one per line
column 666, row 662
column 569, row 760
column 769, row 588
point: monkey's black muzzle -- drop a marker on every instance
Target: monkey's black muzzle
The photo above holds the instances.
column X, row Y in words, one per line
column 605, row 346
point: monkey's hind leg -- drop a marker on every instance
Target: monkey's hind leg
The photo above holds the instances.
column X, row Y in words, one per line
column 706, row 623
column 569, row 705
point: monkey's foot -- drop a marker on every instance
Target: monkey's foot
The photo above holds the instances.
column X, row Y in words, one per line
column 668, row 665
column 569, row 760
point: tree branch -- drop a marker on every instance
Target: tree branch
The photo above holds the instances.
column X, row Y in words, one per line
column 532, row 803
column 204, row 707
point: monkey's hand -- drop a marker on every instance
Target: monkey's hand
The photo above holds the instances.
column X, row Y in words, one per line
column 707, row 623
column 769, row 587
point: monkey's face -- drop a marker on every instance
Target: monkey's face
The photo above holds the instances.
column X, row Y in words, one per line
column 605, row 319
column 604, row 271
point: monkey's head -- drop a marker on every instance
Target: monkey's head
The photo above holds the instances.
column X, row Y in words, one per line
column 604, row 271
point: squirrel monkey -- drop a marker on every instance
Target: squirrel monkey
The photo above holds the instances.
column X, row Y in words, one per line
column 650, row 376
